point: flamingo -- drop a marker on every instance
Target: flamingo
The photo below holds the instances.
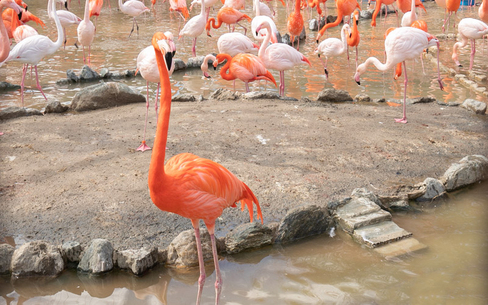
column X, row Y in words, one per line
column 469, row 29
column 406, row 5
column 190, row 186
column 227, row 15
column 204, row 66
column 246, row 67
column 208, row 4
column 195, row 27
column 451, row 7
column 95, row 8
column 28, row 16
column 261, row 9
column 66, row 19
column 179, row 6
column 257, row 20
column 483, row 11
column 410, row 16
column 17, row 30
column 344, row 8
column 237, row 4
column 4, row 39
column 400, row 45
column 235, row 43
column 353, row 38
column 333, row 47
column 147, row 66
column 86, row 32
column 294, row 24
column 279, row 56
column 378, row 8
column 134, row 9
column 33, row 49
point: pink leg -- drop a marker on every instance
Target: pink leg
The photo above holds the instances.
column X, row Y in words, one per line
column 404, row 119
column 38, row 84
column 201, row 279
column 247, row 86
column 282, row 83
column 194, row 47
column 24, row 72
column 473, row 50
column 143, row 147
column 218, row 277
column 357, row 51
column 84, row 58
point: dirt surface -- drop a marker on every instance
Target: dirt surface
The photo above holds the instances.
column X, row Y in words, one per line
column 78, row 177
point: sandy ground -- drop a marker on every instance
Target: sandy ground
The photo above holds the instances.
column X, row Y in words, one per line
column 77, row 176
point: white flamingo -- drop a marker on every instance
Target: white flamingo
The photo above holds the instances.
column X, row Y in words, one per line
column 195, row 27
column 133, row 8
column 86, row 32
column 333, row 47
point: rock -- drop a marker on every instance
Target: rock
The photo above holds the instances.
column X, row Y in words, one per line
column 474, row 105
column 364, row 193
column 399, row 203
column 331, row 19
column 195, row 62
column 6, row 252
column 334, row 96
column 182, row 251
column 248, row 236
column 162, row 256
column 400, row 248
column 179, row 64
column 16, row 112
column 421, row 100
column 4, row 86
column 366, row 14
column 362, row 98
column 97, row 258
column 105, row 73
column 434, row 189
column 359, row 212
column 302, row 222
column 380, row 234
column 224, row 94
column 72, row 76
column 37, row 258
column 55, row 107
column 88, row 75
column 259, row 95
column 137, row 261
column 468, row 170
column 105, row 95
column 313, row 25
column 381, row 100
column 63, row 82
column 71, row 251
column 130, row 73
column 186, row 97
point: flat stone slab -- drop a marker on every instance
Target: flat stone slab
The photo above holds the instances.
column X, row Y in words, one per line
column 380, row 234
column 353, row 223
column 400, row 248
column 357, row 207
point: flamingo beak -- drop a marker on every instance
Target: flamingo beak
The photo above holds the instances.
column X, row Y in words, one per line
column 66, row 5
column 206, row 75
column 20, row 15
column 318, row 55
column 326, row 72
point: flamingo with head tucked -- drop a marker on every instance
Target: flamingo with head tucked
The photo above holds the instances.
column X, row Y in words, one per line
column 469, row 29
column 4, row 39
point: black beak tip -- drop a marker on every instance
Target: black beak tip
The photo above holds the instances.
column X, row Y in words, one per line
column 358, row 82
column 209, row 35
column 460, row 66
column 215, row 68
column 326, row 72
column 20, row 15
column 318, row 55
column 317, row 41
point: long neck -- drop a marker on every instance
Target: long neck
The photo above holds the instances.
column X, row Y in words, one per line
column 5, row 44
column 60, row 39
column 343, row 38
column 264, row 45
column 156, row 169
column 86, row 15
column 15, row 22
column 378, row 64
column 412, row 7
column 297, row 6
column 202, row 12
column 258, row 10
column 223, row 70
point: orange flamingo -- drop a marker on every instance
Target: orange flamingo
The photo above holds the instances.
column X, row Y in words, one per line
column 344, row 8
column 180, row 7
column 353, row 37
column 451, row 7
column 28, row 16
column 227, row 15
column 483, row 11
column 294, row 24
column 244, row 66
column 20, row 31
column 190, row 186
column 94, row 8
column 405, row 5
column 4, row 38
column 378, row 8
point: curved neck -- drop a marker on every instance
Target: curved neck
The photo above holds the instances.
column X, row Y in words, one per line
column 223, row 70
column 333, row 24
column 86, row 15
column 378, row 64
column 412, row 7
column 202, row 12
column 14, row 21
column 59, row 41
column 343, row 37
column 265, row 43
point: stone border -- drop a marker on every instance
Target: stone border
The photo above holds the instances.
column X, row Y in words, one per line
column 39, row 258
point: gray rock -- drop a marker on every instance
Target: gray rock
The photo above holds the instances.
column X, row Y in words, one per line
column 366, row 14
column 55, row 107
column 182, row 251
column 434, row 189
column 321, row 22
column 423, row 100
column 16, row 112
column 474, row 105
column 313, row 25
column 6, row 252
column 88, row 75
column 71, row 251
column 259, row 95
column 334, row 96
column 195, row 62
column 362, row 98
column 137, row 261
column 380, row 234
column 248, row 236
column 72, row 76
column 105, row 95
column 468, row 170
column 359, row 212
column 105, row 73
column 186, row 97
column 130, row 73
column 162, row 256
column 400, row 203
column 224, row 94
column 364, row 193
column 302, row 222
column 381, row 100
column 63, row 82
column 179, row 64
column 97, row 258
column 37, row 258
column 4, row 86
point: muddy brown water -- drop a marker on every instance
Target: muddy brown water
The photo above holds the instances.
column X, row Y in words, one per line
column 113, row 49
column 318, row 270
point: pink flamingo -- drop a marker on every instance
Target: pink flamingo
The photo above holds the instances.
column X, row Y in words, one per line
column 134, row 9
column 235, row 43
column 208, row 5
column 86, row 33
column 279, row 56
column 33, row 49
column 483, row 11
column 410, row 16
column 95, row 8
column 259, row 19
column 400, row 45
column 4, row 40
column 469, row 29
column 195, row 27
column 227, row 15
column 204, row 66
column 66, row 18
column 332, row 47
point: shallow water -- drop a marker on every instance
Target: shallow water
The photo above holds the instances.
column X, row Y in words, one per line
column 319, row 270
column 114, row 50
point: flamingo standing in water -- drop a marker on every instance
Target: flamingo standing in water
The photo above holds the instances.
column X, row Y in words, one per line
column 147, row 66
column 333, row 47
column 190, row 186
column 452, row 6
column 469, row 29
column 279, row 56
column 294, row 24
column 195, row 27
column 4, row 39
column 86, row 33
column 344, row 8
column 378, row 8
column 353, row 37
column 66, row 18
column 134, row 9
column 257, row 20
column 235, row 43
column 227, row 15
column 246, row 67
column 400, row 45
column 208, row 5
column 179, row 6
column 33, row 49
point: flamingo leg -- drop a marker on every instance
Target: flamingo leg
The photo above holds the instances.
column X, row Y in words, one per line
column 194, row 47
column 89, row 52
column 282, row 83
column 245, row 29
column 143, row 147
column 24, row 72
column 473, row 50
column 38, row 84
column 201, row 279
column 404, row 118
column 218, row 277
column 247, row 86
column 357, row 51
column 133, row 23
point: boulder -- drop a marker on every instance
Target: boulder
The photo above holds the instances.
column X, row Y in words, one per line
column 71, row 252
column 224, row 94
column 6, row 252
column 105, row 95
column 4, row 86
column 474, row 105
column 186, row 97
column 37, row 258
column 182, row 251
column 313, row 25
column 434, row 189
column 362, row 98
column 195, row 62
column 71, row 76
column 16, row 112
column 302, row 222
column 248, row 236
column 334, row 96
column 137, row 261
column 179, row 64
column 97, row 258
column 55, row 107
column 364, row 193
column 88, row 75
column 468, row 170
column 423, row 100
column 105, row 73
column 259, row 95
column 366, row 14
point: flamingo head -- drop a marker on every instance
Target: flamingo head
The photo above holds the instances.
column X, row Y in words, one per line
column 204, row 66
column 360, row 70
column 170, row 41
column 266, row 26
column 11, row 4
column 160, row 43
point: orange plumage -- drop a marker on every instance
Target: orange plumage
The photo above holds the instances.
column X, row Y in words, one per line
column 179, row 6
column 405, row 5
column 344, row 8
column 378, row 8
column 294, row 24
column 227, row 15
column 95, row 7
